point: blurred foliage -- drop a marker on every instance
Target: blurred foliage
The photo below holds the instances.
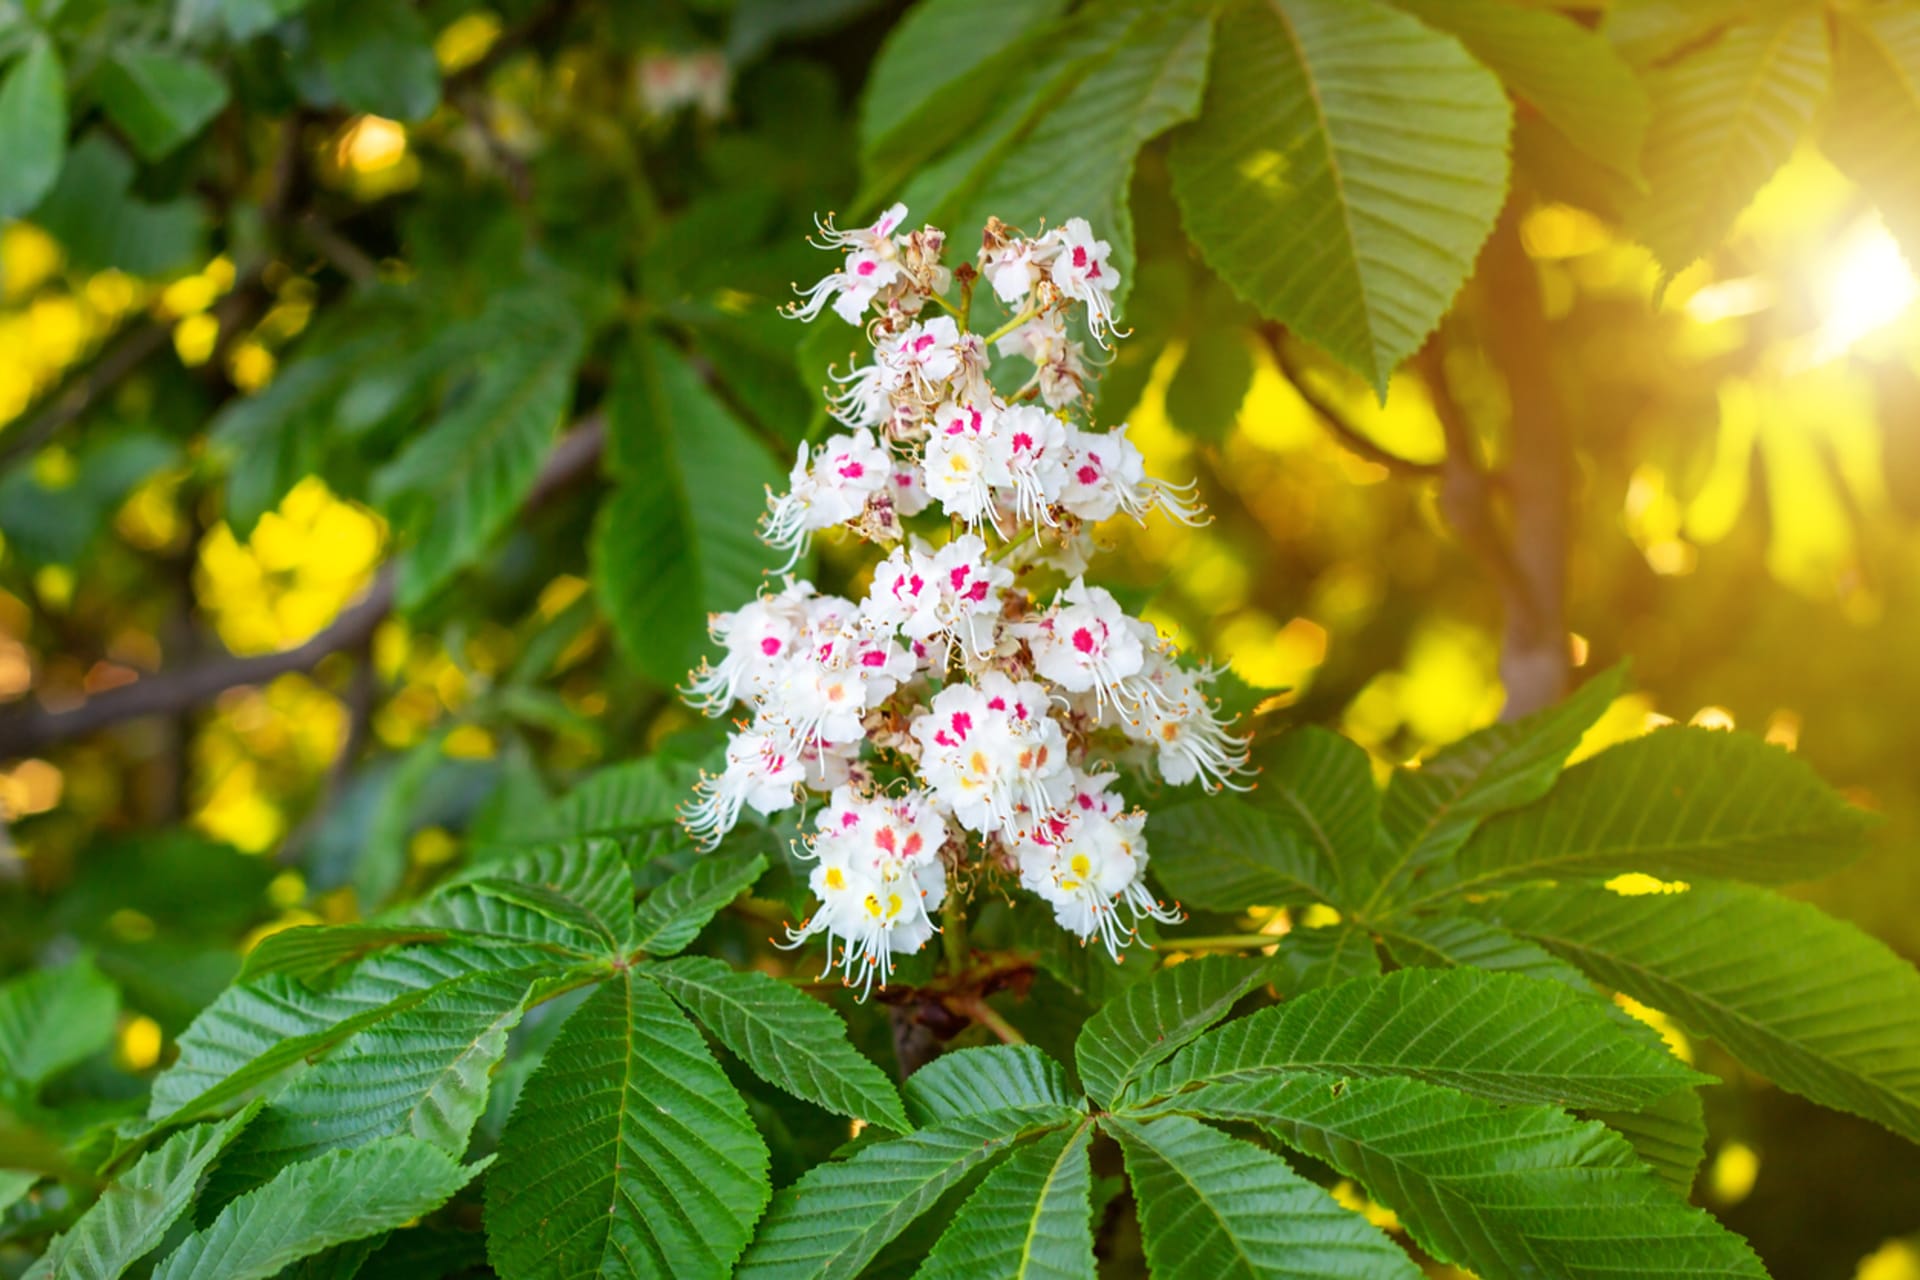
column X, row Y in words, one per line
column 293, row 293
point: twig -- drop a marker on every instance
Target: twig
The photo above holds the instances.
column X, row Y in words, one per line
column 986, row 1015
column 1351, row 437
column 348, row 258
column 1220, row 942
column 27, row 730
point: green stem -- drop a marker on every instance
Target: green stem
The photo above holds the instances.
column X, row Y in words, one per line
column 983, row 1013
column 1219, row 942
column 1000, row 552
column 1007, row 328
column 953, row 936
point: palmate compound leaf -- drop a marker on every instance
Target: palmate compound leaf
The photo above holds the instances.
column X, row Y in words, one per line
column 833, row 1221
column 1129, row 1034
column 423, row 1073
column 1502, row 1037
column 1506, row 1191
column 1677, row 803
column 1808, row 1001
column 1315, row 813
column 1302, row 185
column 674, row 913
column 133, row 1213
column 51, row 1019
column 255, row 1033
column 628, row 1153
column 621, row 800
column 789, row 1039
column 1429, row 812
column 1725, row 116
column 1215, row 1208
column 341, row 1196
column 1030, row 1219
column 965, row 1082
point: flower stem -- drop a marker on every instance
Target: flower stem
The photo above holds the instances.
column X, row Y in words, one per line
column 1026, row 314
column 977, row 1008
column 1001, row 552
column 1220, row 942
column 953, row 936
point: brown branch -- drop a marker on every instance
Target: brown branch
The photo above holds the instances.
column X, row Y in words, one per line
column 1353, row 439
column 31, row 728
column 1536, row 661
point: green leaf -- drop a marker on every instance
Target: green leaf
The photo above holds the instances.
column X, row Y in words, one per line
column 674, row 914
column 101, row 223
column 341, row 1196
column 462, row 480
column 1567, row 73
column 1724, row 118
column 1324, row 957
column 934, row 64
column 133, row 1213
column 1872, row 124
column 1810, row 1002
column 1130, row 1034
column 33, row 128
column 378, row 57
column 311, row 950
column 575, row 897
column 1216, row 371
column 274, row 437
column 1304, row 188
column 619, row 800
column 676, row 540
column 255, row 1032
column 1502, row 1191
column 1077, row 161
column 628, row 1152
column 1501, row 1037
column 1447, row 941
column 159, row 99
column 1678, row 802
column 1031, row 1217
column 52, row 1019
column 1315, row 811
column 423, row 1073
column 965, row 1082
column 1212, row 1207
column 1430, row 811
column 836, row 1218
column 1669, row 1136
column 791, row 1040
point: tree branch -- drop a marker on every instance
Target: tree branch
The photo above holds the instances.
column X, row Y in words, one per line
column 27, row 730
column 1331, row 416
column 1536, row 661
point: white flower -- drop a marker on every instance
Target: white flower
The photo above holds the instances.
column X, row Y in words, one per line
column 1058, row 367
column 1176, row 718
column 993, row 755
column 761, row 774
column 965, row 462
column 876, row 239
column 909, row 489
column 1080, row 271
column 829, row 487
column 865, row 395
column 1084, row 644
column 1091, row 866
column 1035, row 449
column 1012, row 269
column 925, row 356
column 879, row 878
column 758, row 638
column 1106, row 474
